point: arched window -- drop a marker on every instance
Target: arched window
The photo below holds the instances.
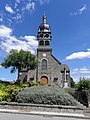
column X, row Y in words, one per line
column 44, row 64
column 41, row 35
column 41, row 43
column 47, row 42
column 47, row 35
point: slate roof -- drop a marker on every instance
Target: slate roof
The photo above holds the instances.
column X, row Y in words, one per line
column 62, row 66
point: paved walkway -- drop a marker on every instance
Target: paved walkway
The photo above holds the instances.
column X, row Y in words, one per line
column 55, row 114
column 12, row 116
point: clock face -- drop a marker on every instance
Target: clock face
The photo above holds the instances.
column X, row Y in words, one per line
column 44, row 54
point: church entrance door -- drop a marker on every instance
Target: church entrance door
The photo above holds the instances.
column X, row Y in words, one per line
column 44, row 80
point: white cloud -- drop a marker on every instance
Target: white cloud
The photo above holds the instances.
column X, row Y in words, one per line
column 30, row 6
column 18, row 9
column 18, row 1
column 31, row 40
column 74, row 14
column 76, row 69
column 80, row 11
column 77, row 73
column 84, row 69
column 4, row 79
column 5, row 31
column 77, row 78
column 17, row 17
column 81, row 70
column 88, row 49
column 79, row 55
column 9, row 41
column 43, row 1
column 85, row 72
column 9, row 9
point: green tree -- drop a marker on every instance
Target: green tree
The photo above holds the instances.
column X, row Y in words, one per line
column 83, row 84
column 19, row 60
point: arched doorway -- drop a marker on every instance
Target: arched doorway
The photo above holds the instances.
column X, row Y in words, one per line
column 44, row 80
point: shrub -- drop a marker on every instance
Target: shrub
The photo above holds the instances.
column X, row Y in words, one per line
column 9, row 91
column 45, row 95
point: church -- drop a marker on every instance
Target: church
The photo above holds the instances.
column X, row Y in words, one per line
column 49, row 70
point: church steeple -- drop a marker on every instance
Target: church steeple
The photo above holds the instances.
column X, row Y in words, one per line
column 44, row 19
column 44, row 34
column 44, row 27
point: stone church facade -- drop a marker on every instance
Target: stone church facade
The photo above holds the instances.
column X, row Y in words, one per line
column 49, row 70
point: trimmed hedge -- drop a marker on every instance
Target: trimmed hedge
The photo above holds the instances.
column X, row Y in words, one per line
column 45, row 95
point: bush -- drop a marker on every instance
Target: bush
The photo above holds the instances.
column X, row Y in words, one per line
column 45, row 95
column 8, row 91
column 12, row 91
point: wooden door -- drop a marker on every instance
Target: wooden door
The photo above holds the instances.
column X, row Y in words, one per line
column 44, row 80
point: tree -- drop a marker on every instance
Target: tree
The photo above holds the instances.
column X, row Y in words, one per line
column 18, row 60
column 83, row 84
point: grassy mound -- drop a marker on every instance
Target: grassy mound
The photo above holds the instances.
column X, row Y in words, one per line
column 45, row 95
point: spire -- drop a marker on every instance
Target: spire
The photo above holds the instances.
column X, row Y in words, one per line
column 44, row 18
column 44, row 26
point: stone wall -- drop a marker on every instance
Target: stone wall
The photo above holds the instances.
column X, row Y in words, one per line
column 82, row 96
column 40, row 107
column 89, row 100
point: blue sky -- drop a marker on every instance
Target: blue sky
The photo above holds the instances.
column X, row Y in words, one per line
column 70, row 26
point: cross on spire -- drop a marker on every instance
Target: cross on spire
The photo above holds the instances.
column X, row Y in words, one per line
column 44, row 17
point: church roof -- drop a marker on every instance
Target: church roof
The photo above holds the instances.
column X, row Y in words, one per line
column 56, row 59
column 62, row 66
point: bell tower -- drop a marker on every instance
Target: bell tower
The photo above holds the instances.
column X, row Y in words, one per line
column 44, row 35
column 44, row 50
